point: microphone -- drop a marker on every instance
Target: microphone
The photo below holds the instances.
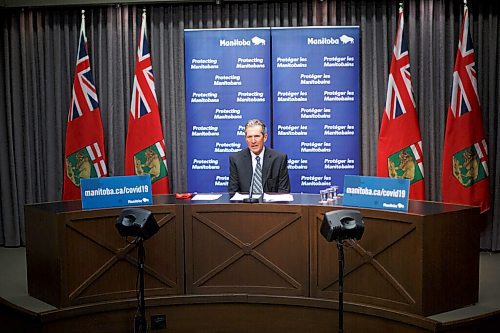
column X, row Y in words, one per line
column 250, row 198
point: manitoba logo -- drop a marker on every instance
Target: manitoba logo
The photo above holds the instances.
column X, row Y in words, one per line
column 406, row 163
column 470, row 165
column 87, row 162
column 152, row 161
column 346, row 39
column 256, row 40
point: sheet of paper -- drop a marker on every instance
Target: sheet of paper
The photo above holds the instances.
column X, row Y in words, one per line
column 238, row 196
column 206, row 197
column 285, row 197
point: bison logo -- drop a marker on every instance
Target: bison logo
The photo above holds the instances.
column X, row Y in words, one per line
column 258, row 41
column 346, row 39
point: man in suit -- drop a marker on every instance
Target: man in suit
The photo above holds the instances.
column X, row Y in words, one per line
column 273, row 164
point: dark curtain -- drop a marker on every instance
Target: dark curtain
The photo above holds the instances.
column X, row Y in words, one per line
column 37, row 63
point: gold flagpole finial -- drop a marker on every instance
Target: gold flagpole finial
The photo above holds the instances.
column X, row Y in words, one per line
column 401, row 6
column 83, row 12
column 465, row 3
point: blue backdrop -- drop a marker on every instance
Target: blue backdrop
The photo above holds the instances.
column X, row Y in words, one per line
column 311, row 108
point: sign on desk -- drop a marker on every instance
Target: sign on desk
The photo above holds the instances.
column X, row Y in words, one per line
column 376, row 192
column 117, row 191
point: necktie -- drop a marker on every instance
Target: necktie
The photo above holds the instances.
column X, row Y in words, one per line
column 257, row 176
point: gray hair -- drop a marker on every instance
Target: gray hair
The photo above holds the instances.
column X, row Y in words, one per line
column 256, row 122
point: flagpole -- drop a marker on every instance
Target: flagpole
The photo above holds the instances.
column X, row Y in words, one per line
column 143, row 23
column 83, row 19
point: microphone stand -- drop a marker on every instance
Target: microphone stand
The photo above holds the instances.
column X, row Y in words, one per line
column 140, row 323
column 340, row 247
column 250, row 198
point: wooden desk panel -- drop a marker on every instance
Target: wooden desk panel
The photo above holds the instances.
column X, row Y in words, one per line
column 79, row 257
column 416, row 262
column 247, row 248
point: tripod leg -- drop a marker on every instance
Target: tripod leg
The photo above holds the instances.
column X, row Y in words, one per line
column 340, row 247
column 140, row 323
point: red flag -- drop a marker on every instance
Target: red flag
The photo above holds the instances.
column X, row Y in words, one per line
column 400, row 142
column 85, row 156
column 465, row 154
column 145, row 148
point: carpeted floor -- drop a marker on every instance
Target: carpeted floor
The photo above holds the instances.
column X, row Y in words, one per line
column 489, row 291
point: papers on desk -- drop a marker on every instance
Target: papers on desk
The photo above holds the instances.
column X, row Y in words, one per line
column 239, row 197
column 280, row 197
column 206, row 197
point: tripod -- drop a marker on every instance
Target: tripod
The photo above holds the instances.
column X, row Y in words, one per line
column 341, row 225
column 140, row 322
column 141, row 224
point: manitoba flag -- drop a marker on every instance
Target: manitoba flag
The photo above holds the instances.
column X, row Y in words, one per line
column 84, row 156
column 400, row 143
column 465, row 154
column 145, row 147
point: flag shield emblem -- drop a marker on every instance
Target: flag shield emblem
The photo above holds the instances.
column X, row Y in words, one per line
column 403, row 164
column 467, row 167
column 79, row 165
column 151, row 161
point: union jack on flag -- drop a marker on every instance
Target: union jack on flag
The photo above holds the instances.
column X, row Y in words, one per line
column 399, row 92
column 84, row 94
column 143, row 92
column 464, row 90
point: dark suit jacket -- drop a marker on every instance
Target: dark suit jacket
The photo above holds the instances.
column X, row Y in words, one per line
column 274, row 171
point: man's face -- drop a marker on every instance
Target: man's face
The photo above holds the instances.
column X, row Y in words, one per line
column 255, row 139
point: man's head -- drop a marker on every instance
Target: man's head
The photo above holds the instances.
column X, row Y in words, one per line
column 255, row 135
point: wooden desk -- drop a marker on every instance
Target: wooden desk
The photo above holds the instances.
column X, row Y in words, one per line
column 424, row 262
